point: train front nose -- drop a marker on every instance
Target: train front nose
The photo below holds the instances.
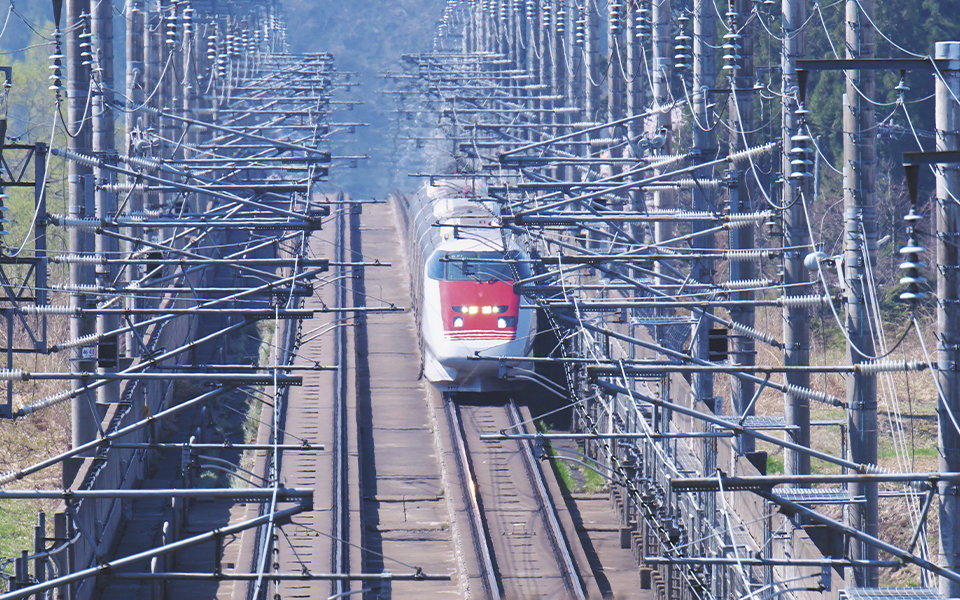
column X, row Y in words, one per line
column 478, row 310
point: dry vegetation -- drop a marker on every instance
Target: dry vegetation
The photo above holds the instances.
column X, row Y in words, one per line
column 906, row 405
column 28, row 440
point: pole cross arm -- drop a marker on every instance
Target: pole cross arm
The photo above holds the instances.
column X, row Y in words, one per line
column 927, row 158
column 871, row 64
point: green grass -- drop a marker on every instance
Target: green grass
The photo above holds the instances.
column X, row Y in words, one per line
column 575, row 478
column 563, row 470
column 886, row 449
column 593, row 481
column 16, row 529
column 774, row 464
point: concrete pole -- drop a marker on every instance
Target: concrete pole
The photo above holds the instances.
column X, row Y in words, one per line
column 469, row 35
column 948, row 309
column 488, row 14
column 481, row 25
column 541, row 53
column 592, row 60
column 153, row 67
column 635, row 86
column 545, row 45
column 705, row 147
column 170, row 87
column 576, row 88
column 561, row 83
column 134, row 13
column 83, row 417
column 741, row 116
column 520, row 33
column 104, row 142
column 191, row 91
column 662, row 65
column 860, row 239
column 632, row 54
column 493, row 29
column 796, row 331
column 615, row 52
column 496, row 27
column 513, row 45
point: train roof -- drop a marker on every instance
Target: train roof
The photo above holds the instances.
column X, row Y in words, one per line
column 451, row 198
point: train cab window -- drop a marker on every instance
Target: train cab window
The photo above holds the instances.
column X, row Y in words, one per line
column 464, row 266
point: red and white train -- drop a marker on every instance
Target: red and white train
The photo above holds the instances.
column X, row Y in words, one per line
column 463, row 276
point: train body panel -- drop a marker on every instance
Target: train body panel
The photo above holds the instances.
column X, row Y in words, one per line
column 463, row 285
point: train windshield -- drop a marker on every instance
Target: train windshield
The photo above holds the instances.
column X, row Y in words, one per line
column 476, row 266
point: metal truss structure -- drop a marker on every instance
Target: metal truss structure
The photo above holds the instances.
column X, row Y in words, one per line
column 664, row 215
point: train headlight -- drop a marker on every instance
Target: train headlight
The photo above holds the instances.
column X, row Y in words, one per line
column 473, row 310
column 458, row 322
column 504, row 322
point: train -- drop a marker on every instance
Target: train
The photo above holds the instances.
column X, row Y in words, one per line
column 463, row 273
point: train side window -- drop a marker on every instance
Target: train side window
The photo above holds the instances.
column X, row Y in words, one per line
column 435, row 267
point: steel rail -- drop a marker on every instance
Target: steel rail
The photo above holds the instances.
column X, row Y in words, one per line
column 341, row 490
column 547, row 508
column 482, row 543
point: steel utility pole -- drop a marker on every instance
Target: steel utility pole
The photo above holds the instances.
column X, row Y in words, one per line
column 948, row 309
column 530, row 33
column 561, row 83
column 469, row 34
column 704, row 148
column 134, row 87
column 520, row 33
column 105, row 144
column 576, row 87
column 538, row 38
column 560, row 80
column 796, row 330
column 615, row 80
column 498, row 27
column 662, row 59
column 152, row 51
column 591, row 71
column 480, row 21
column 859, row 238
column 632, row 54
column 635, row 86
column 741, row 238
column 83, row 415
column 545, row 65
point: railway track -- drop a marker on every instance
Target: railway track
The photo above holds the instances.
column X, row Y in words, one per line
column 517, row 535
column 319, row 541
column 380, row 527
column 340, row 557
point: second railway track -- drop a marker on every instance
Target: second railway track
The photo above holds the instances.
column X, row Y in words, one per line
column 520, row 543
